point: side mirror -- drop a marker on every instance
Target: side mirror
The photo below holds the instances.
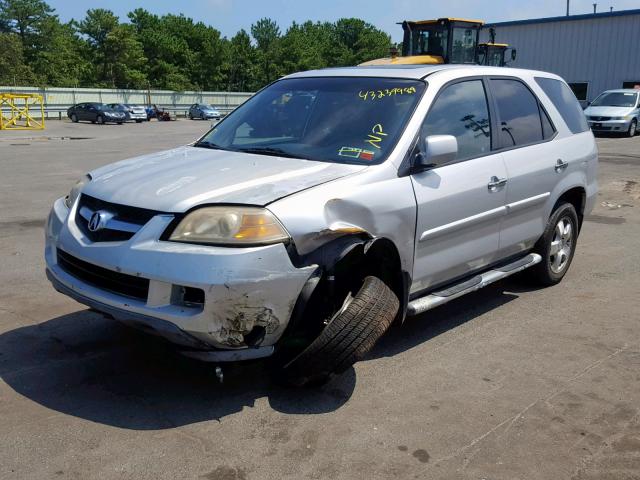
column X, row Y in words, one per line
column 437, row 150
column 513, row 54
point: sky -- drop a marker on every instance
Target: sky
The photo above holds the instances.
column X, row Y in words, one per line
column 229, row 16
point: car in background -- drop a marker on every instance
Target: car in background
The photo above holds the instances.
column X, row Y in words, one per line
column 615, row 111
column 131, row 112
column 203, row 111
column 95, row 112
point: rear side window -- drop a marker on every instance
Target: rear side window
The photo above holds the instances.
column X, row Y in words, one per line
column 461, row 110
column 565, row 102
column 518, row 112
column 547, row 126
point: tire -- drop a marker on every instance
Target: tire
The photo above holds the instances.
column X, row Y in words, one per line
column 119, row 123
column 633, row 128
column 190, row 116
column 347, row 338
column 100, row 119
column 74, row 118
column 554, row 265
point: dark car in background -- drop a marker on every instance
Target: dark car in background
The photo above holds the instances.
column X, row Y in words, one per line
column 203, row 111
column 95, row 112
column 131, row 112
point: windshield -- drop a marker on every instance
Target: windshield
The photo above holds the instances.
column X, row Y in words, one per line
column 332, row 119
column 616, row 99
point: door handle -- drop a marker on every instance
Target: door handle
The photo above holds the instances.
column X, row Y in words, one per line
column 560, row 165
column 496, row 183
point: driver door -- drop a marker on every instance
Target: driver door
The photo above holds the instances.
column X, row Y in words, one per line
column 460, row 203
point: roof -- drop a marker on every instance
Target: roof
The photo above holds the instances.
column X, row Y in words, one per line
column 421, row 22
column 622, row 90
column 412, row 71
column 564, row 18
column 393, row 71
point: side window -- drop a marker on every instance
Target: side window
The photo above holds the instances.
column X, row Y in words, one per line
column 547, row 126
column 565, row 102
column 518, row 113
column 461, row 110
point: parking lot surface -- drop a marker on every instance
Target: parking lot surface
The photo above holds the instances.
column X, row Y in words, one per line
column 507, row 383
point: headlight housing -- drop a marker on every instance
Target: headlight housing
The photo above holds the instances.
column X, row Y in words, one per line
column 70, row 199
column 230, row 225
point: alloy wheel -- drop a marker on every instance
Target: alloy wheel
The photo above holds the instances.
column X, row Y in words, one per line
column 561, row 245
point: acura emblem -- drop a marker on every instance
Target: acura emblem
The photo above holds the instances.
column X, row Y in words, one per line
column 97, row 221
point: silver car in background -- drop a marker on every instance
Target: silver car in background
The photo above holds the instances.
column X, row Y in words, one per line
column 329, row 205
column 615, row 111
column 203, row 111
column 131, row 112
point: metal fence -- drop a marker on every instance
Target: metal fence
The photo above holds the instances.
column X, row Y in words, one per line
column 58, row 100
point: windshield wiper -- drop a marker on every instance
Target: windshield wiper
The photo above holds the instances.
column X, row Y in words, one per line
column 205, row 144
column 274, row 151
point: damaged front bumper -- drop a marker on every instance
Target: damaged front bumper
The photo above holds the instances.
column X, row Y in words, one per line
column 240, row 291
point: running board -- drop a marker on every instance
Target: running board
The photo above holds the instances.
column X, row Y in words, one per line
column 440, row 297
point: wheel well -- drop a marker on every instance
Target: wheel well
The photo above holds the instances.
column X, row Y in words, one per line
column 377, row 257
column 576, row 197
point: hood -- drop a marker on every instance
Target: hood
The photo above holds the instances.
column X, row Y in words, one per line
column 179, row 179
column 608, row 111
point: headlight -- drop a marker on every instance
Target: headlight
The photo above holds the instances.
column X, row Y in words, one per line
column 70, row 199
column 230, row 226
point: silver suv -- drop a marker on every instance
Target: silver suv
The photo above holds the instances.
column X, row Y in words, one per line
column 330, row 204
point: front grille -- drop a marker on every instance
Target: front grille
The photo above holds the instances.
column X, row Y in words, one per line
column 136, row 217
column 103, row 278
column 600, row 119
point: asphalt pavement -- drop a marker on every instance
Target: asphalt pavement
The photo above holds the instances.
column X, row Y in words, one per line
column 507, row 383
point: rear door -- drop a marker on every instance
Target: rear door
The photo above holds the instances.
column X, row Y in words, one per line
column 460, row 204
column 524, row 137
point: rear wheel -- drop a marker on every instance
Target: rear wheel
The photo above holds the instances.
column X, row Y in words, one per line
column 74, row 118
column 100, row 119
column 633, row 128
column 348, row 335
column 556, row 246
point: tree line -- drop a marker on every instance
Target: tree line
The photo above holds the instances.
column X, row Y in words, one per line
column 172, row 52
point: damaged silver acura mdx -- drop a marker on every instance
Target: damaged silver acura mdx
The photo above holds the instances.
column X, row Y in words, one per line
column 329, row 204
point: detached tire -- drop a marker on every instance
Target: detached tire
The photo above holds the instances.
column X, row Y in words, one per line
column 347, row 338
column 556, row 246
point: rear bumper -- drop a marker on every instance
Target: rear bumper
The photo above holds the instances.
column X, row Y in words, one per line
column 138, row 116
column 243, row 288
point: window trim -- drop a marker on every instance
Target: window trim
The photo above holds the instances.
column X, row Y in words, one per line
column 416, row 142
column 499, row 147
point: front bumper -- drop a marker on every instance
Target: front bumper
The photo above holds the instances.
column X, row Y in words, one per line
column 610, row 125
column 244, row 288
column 138, row 116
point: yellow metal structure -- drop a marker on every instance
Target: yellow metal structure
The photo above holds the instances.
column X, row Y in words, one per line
column 412, row 60
column 445, row 40
column 16, row 111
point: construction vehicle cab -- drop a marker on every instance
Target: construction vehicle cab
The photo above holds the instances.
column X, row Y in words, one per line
column 445, row 40
column 493, row 54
